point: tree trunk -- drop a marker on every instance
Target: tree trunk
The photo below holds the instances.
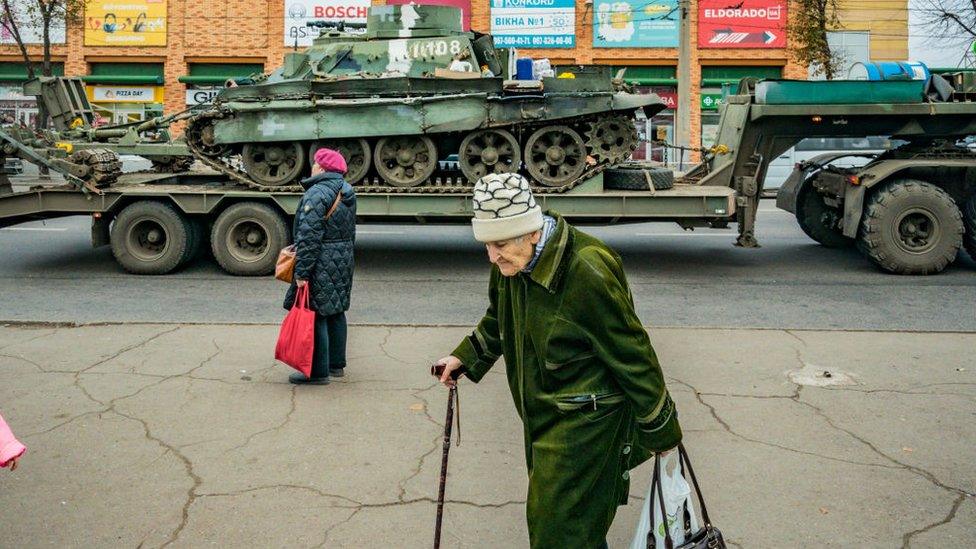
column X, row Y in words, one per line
column 42, row 114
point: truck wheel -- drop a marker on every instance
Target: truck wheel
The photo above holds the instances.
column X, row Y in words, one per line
column 247, row 237
column 911, row 227
column 820, row 221
column 196, row 239
column 149, row 238
column 969, row 218
column 633, row 179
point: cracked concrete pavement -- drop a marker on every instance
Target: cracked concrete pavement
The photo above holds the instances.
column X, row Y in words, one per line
column 189, row 435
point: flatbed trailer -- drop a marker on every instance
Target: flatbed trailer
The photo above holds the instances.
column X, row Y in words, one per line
column 157, row 222
column 169, row 217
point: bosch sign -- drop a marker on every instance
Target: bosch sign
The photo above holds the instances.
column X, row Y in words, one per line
column 300, row 12
column 339, row 12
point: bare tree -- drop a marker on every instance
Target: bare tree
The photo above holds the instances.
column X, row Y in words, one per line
column 947, row 22
column 811, row 21
column 21, row 18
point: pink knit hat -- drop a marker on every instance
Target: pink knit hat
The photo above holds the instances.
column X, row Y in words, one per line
column 330, row 160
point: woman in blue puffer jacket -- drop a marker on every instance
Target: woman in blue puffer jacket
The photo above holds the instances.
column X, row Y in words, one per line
column 324, row 260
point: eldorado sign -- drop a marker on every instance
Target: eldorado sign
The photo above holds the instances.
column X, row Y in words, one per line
column 747, row 24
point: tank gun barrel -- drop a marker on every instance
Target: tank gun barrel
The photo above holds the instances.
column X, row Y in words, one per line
column 154, row 123
column 340, row 26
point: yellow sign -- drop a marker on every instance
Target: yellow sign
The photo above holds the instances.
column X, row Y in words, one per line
column 125, row 23
column 124, row 94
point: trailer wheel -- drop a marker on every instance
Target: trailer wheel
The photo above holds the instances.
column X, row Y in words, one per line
column 911, row 227
column 820, row 221
column 633, row 179
column 247, row 237
column 969, row 218
column 149, row 238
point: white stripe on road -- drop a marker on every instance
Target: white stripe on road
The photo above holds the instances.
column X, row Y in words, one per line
column 57, row 229
column 689, row 233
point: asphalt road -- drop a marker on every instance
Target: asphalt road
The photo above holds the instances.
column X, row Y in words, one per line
column 409, row 274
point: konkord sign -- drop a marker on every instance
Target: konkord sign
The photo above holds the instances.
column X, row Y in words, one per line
column 534, row 23
column 300, row 12
column 746, row 24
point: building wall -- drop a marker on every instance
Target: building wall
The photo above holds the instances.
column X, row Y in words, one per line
column 886, row 20
column 239, row 31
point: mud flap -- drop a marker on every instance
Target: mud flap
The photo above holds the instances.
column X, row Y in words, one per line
column 853, row 208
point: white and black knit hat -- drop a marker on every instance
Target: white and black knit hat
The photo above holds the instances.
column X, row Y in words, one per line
column 504, row 208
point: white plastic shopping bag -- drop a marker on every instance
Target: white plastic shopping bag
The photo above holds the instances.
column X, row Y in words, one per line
column 677, row 498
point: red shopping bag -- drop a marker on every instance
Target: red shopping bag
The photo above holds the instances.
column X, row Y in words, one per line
column 296, row 340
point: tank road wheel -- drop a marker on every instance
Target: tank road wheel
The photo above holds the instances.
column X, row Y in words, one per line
column 104, row 164
column 355, row 151
column 274, row 164
column 555, row 155
column 200, row 134
column 405, row 161
column 246, row 238
column 969, row 218
column 149, row 238
column 911, row 227
column 611, row 139
column 489, row 151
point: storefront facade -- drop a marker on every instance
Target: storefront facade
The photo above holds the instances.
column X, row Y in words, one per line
column 182, row 53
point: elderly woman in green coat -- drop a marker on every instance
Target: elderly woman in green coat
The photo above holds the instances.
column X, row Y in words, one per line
column 585, row 380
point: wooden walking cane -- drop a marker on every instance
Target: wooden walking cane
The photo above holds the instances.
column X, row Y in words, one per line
column 452, row 398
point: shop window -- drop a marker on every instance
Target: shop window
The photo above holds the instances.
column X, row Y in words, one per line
column 656, row 134
column 125, row 92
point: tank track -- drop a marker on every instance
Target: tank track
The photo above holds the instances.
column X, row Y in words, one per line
column 373, row 185
column 105, row 165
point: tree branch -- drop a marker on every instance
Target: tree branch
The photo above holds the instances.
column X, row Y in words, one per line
column 11, row 24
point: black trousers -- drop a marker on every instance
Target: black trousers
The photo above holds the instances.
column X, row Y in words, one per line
column 330, row 344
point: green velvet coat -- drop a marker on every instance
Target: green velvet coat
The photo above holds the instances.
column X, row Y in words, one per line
column 585, row 380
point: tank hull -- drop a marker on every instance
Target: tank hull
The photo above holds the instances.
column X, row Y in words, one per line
column 335, row 118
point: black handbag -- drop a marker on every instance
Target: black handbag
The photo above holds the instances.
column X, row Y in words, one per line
column 708, row 536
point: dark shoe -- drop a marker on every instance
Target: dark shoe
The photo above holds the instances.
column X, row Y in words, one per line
column 337, row 372
column 299, row 379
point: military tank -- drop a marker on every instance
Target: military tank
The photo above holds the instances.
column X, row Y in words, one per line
column 404, row 95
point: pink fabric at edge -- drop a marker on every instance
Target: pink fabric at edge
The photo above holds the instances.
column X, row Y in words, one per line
column 10, row 447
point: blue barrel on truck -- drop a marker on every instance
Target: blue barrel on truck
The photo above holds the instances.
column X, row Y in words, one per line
column 889, row 70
